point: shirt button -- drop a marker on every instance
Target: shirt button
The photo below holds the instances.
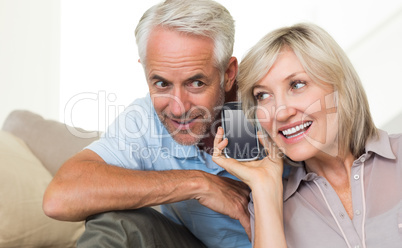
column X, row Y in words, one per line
column 358, row 212
column 357, row 246
column 362, row 159
column 356, row 177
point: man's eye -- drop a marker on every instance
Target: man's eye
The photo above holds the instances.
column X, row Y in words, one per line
column 261, row 96
column 196, row 84
column 161, row 84
column 297, row 84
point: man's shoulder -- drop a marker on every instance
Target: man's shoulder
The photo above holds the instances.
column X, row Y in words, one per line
column 139, row 119
column 140, row 113
column 141, row 105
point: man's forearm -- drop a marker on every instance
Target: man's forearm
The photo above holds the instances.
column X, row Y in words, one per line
column 83, row 188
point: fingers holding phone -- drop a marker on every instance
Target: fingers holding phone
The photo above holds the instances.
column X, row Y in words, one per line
column 237, row 148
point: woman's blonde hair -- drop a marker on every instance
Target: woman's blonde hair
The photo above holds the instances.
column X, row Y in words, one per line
column 325, row 62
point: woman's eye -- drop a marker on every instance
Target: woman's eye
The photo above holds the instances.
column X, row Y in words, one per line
column 297, row 84
column 161, row 84
column 261, row 96
column 196, row 84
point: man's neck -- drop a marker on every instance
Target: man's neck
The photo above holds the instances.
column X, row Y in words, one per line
column 207, row 143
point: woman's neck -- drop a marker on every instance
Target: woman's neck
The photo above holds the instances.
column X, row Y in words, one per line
column 337, row 171
column 326, row 165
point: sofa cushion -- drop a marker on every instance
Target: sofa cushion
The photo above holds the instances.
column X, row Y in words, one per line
column 50, row 141
column 23, row 181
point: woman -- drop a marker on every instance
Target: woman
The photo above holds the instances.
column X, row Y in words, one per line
column 308, row 101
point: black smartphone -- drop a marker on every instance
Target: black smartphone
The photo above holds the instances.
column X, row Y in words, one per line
column 242, row 137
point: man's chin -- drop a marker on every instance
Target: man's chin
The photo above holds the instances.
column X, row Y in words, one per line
column 187, row 139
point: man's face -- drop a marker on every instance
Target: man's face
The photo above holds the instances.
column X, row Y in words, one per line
column 184, row 83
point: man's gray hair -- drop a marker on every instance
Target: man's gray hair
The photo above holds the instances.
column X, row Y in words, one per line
column 200, row 17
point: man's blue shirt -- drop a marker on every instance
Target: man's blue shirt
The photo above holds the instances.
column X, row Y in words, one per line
column 138, row 140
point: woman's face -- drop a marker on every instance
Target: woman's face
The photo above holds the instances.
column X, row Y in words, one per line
column 298, row 114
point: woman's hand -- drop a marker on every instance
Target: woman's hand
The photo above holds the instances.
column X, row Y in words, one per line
column 264, row 177
column 253, row 173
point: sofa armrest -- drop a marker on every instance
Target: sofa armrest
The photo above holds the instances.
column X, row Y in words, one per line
column 50, row 141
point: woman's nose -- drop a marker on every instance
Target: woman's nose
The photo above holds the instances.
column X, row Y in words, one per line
column 285, row 109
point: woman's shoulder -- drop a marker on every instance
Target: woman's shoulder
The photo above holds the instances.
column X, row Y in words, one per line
column 386, row 145
column 395, row 141
column 394, row 138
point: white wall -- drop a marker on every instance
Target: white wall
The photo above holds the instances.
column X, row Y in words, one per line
column 99, row 69
column 29, row 56
column 378, row 59
column 76, row 60
column 99, row 61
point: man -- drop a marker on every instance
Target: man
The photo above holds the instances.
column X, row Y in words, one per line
column 158, row 151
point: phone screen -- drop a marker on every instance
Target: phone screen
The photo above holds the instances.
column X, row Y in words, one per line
column 242, row 135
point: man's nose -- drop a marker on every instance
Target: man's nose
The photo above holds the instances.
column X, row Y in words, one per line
column 179, row 102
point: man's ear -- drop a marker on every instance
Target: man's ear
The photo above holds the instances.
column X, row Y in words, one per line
column 231, row 73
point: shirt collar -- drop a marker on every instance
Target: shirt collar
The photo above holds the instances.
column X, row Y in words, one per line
column 192, row 152
column 180, row 151
column 297, row 174
column 379, row 145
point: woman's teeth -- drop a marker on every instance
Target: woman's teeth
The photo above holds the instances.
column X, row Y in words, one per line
column 297, row 130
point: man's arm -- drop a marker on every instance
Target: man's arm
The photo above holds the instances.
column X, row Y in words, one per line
column 86, row 185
